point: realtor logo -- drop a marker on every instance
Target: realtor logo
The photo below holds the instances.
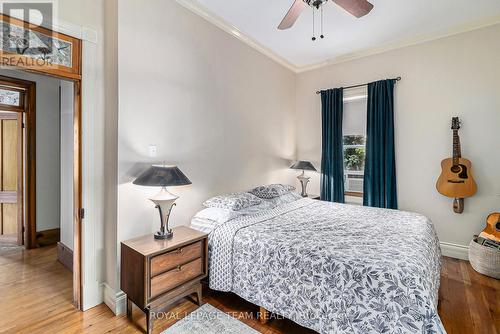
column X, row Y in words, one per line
column 22, row 38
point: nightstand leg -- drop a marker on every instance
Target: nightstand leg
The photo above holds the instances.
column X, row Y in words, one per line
column 149, row 322
column 129, row 308
column 198, row 294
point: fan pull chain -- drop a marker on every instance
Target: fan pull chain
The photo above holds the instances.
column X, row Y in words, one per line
column 322, row 36
column 314, row 33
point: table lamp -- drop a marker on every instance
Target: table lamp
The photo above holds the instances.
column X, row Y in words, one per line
column 304, row 180
column 163, row 176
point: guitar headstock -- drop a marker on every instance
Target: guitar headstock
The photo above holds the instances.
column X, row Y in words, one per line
column 455, row 123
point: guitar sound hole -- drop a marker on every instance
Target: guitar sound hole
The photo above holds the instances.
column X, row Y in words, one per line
column 461, row 170
column 497, row 226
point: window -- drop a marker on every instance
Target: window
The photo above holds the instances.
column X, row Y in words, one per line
column 354, row 141
column 10, row 97
column 354, row 163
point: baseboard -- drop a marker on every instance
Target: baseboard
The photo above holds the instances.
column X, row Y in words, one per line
column 48, row 237
column 65, row 255
column 456, row 251
column 116, row 301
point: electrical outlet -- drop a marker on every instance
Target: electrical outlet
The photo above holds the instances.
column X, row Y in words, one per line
column 153, row 151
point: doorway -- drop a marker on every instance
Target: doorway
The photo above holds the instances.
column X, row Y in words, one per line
column 22, row 221
column 17, row 161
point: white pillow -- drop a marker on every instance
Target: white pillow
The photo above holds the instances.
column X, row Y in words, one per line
column 203, row 225
column 218, row 215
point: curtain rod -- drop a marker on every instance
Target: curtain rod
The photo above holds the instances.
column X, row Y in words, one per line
column 356, row 86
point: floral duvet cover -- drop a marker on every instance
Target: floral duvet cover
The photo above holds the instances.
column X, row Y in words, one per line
column 333, row 268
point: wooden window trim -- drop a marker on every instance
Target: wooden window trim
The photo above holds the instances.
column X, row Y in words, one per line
column 74, row 72
column 353, row 194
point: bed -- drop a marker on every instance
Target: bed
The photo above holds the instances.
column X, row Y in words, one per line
column 330, row 267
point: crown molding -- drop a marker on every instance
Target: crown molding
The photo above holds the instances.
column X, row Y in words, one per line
column 200, row 10
column 460, row 29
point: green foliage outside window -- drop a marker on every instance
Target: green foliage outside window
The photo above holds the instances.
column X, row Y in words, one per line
column 354, row 153
column 354, row 140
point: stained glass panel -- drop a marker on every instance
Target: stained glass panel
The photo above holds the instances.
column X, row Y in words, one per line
column 33, row 44
column 10, row 97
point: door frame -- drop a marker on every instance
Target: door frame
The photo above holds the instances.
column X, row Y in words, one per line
column 29, row 88
column 27, row 109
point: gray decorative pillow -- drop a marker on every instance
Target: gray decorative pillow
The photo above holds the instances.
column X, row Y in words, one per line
column 234, row 201
column 272, row 190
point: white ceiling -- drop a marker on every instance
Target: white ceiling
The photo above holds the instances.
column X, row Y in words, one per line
column 391, row 22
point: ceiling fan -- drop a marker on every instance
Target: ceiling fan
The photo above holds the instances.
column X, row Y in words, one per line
column 358, row 8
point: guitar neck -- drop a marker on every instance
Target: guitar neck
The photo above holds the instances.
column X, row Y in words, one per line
column 457, row 150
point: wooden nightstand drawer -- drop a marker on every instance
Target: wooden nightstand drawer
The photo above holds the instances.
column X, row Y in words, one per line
column 165, row 262
column 171, row 279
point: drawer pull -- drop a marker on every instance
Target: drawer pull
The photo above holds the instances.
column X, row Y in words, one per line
column 179, row 268
column 179, row 251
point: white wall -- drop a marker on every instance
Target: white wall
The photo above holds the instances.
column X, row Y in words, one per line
column 455, row 76
column 47, row 148
column 221, row 111
column 111, row 142
column 67, row 156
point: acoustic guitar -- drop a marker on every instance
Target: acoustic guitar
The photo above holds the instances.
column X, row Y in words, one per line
column 456, row 179
column 492, row 230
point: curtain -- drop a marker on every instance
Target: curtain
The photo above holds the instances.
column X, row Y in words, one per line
column 380, row 163
column 332, row 157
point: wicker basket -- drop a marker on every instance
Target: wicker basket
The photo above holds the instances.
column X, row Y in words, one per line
column 484, row 260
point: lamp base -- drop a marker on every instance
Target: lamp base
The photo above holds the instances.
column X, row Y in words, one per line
column 304, row 180
column 164, row 235
column 164, row 202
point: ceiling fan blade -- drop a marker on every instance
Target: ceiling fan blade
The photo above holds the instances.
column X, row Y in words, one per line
column 357, row 8
column 292, row 15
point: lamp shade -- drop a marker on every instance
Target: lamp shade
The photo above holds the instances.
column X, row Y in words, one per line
column 159, row 176
column 304, row 165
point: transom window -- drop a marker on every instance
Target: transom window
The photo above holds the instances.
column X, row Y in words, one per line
column 10, row 97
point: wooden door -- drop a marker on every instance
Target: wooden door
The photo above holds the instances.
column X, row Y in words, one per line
column 11, row 191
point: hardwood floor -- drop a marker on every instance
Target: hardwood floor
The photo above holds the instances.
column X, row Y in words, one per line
column 35, row 297
column 8, row 239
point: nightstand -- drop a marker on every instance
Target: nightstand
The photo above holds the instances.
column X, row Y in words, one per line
column 157, row 273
